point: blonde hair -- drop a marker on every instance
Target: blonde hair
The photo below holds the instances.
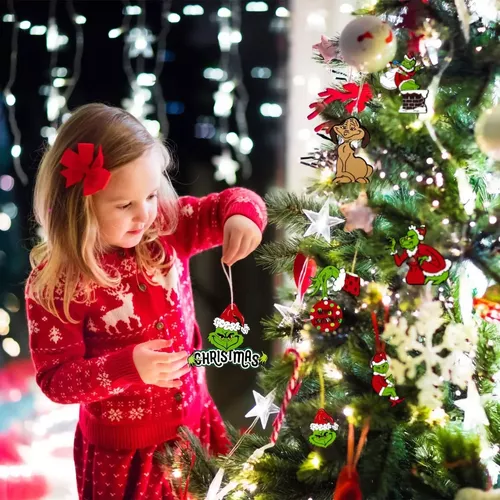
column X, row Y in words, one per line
column 73, row 242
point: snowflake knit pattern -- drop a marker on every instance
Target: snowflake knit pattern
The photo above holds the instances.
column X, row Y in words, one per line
column 91, row 362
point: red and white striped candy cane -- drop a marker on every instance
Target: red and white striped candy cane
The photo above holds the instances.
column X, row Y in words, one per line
column 291, row 389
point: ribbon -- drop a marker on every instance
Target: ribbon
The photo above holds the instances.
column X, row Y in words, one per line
column 347, row 487
column 81, row 166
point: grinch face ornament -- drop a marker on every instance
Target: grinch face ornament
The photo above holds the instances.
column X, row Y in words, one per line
column 425, row 264
column 323, row 428
column 230, row 329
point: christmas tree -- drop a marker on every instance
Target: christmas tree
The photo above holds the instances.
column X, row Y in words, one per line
column 390, row 386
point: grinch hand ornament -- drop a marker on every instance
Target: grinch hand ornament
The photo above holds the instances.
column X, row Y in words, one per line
column 382, row 380
column 323, row 428
column 426, row 265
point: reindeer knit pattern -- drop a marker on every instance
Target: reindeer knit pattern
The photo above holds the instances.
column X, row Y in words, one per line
column 91, row 363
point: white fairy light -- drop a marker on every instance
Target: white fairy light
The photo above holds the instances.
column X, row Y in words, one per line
column 282, row 12
column 193, row 10
column 173, row 18
column 24, row 25
column 445, row 221
column 115, row 32
column 429, row 161
column 256, row 7
column 403, row 175
column 492, row 219
column 38, row 30
column 132, row 10
column 224, row 12
column 348, row 411
column 429, row 180
column 419, row 178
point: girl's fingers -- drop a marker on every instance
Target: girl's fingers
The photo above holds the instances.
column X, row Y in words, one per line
column 171, row 367
column 174, row 374
column 169, row 384
column 168, row 357
column 232, row 247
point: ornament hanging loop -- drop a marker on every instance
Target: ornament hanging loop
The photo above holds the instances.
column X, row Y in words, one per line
column 229, row 280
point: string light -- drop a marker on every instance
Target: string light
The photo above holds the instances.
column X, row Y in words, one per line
column 10, row 98
column 348, row 411
column 144, row 86
column 231, row 96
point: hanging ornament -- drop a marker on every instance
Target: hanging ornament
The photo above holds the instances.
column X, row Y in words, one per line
column 324, row 429
column 350, row 168
column 383, row 382
column 354, row 97
column 358, row 214
column 426, row 265
column 472, row 406
column 331, row 279
column 368, row 44
column 264, row 407
column 229, row 334
column 321, row 222
column 488, row 133
column 304, row 268
column 348, row 487
column 401, row 77
column 326, row 316
column 327, row 49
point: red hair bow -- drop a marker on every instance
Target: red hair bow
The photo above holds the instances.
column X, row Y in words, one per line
column 82, row 165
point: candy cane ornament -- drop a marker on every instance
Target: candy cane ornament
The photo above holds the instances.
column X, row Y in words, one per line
column 291, row 389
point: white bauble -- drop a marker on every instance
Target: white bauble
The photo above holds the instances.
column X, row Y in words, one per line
column 368, row 44
column 488, row 133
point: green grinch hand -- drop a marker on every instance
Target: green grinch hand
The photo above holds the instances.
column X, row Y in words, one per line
column 320, row 282
column 423, row 259
column 263, row 359
column 227, row 340
column 191, row 361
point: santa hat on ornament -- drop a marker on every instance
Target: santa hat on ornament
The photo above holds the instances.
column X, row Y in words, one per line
column 323, row 422
column 379, row 359
column 231, row 319
column 421, row 232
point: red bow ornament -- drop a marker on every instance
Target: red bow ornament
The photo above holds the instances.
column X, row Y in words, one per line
column 352, row 97
column 82, row 166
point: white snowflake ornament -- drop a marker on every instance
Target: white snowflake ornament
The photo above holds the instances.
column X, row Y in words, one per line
column 452, row 357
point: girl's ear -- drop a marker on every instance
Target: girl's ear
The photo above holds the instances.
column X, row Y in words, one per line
column 366, row 137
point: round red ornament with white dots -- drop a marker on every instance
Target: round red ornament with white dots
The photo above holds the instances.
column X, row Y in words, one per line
column 326, row 315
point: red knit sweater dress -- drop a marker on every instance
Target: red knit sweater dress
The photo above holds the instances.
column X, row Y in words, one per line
column 123, row 421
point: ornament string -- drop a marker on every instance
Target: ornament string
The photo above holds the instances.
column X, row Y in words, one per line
column 379, row 345
column 321, row 388
column 300, row 295
column 347, row 486
column 361, row 83
column 355, row 256
column 229, row 280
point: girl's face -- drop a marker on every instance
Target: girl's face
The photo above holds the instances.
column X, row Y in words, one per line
column 128, row 204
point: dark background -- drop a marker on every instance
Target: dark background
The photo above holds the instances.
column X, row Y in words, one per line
column 191, row 47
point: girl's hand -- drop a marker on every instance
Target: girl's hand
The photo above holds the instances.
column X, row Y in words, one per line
column 163, row 369
column 241, row 237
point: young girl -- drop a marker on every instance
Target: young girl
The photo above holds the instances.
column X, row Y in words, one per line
column 109, row 300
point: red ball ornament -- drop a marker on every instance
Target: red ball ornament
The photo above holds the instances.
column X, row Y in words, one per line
column 326, row 315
